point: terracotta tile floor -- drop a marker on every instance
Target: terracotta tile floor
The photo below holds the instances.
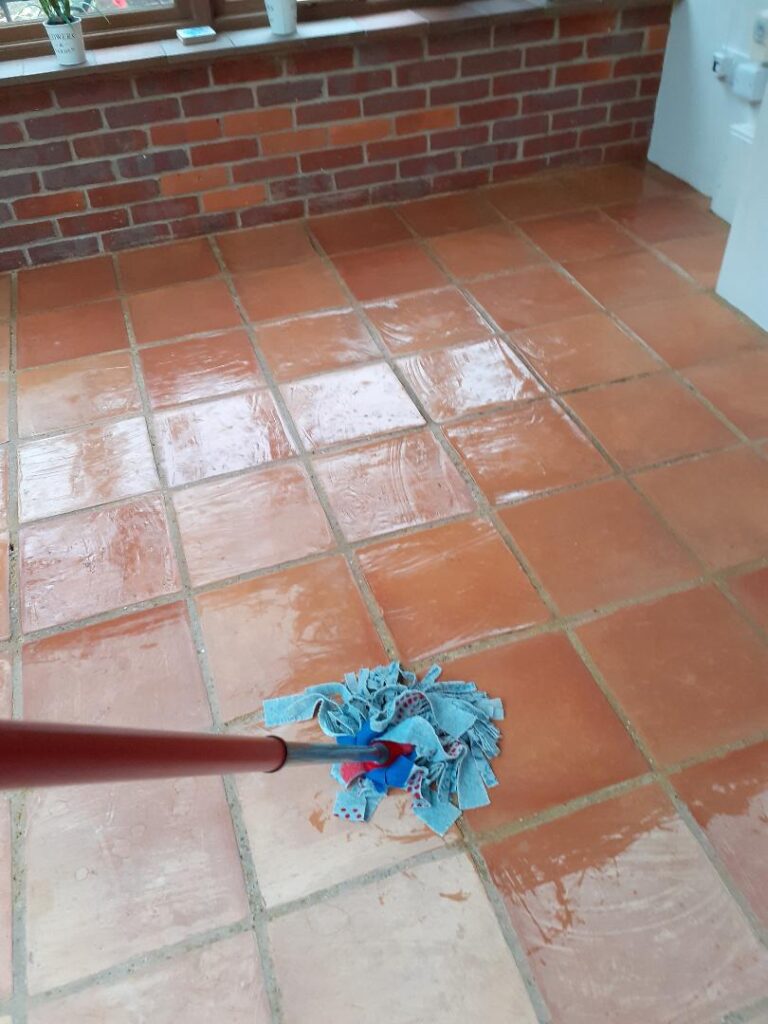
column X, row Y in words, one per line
column 513, row 430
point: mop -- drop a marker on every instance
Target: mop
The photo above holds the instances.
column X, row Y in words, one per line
column 432, row 739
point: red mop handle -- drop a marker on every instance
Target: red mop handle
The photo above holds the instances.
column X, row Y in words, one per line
column 43, row 754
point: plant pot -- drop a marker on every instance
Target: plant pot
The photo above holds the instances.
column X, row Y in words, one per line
column 67, row 41
column 282, row 16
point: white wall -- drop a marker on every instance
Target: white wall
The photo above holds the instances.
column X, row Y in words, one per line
column 695, row 111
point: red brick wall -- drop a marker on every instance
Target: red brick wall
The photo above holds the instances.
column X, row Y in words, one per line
column 102, row 164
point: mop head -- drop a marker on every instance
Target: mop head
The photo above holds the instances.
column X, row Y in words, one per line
column 440, row 735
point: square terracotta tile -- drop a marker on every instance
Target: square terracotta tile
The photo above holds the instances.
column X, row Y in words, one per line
column 201, row 368
column 275, row 245
column 5, row 622
column 87, row 467
column 93, row 561
column 588, row 235
column 488, row 250
column 66, row 284
column 405, row 481
column 389, row 270
column 535, row 197
column 358, row 229
column 751, row 590
column 139, row 671
column 195, row 307
column 318, row 850
column 161, row 265
column 65, row 395
column 3, row 410
column 657, row 220
column 137, row 867
column 70, row 333
column 701, row 256
column 427, row 320
column 3, row 488
column 688, row 671
column 691, row 330
column 560, row 737
column 738, row 387
column 5, row 347
column 251, row 521
column 279, row 633
column 349, row 404
column 513, row 454
column 615, row 183
column 222, row 436
column 440, row 914
column 650, row 419
column 606, row 900
column 453, row 381
column 729, row 799
column 596, row 545
column 629, row 279
column 716, row 504
column 6, row 296
column 581, row 351
column 312, row 344
column 278, row 293
column 222, row 979
column 449, row 585
column 538, row 295
column 441, row 215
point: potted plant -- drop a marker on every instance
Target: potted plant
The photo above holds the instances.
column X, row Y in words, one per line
column 65, row 31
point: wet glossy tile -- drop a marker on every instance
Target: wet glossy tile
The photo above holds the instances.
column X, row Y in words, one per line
column 615, row 183
column 535, row 296
column 393, row 484
column 249, row 522
column 349, row 404
column 202, row 368
column 716, row 504
column 487, row 250
column 587, row 235
column 738, row 387
column 687, row 669
column 583, row 350
column 70, row 333
column 312, row 344
column 277, row 293
column 701, row 256
column 94, row 561
column 219, row 980
column 453, row 381
column 691, row 329
column 605, row 900
column 87, row 467
column 196, row 307
column 729, row 799
column 561, row 741
column 628, row 279
column 657, row 220
column 222, row 436
column 649, row 420
column 276, row 245
column 596, row 545
column 440, row 913
column 160, row 265
column 390, row 270
column 116, row 870
column 752, row 593
column 535, row 197
column 448, row 586
column 66, row 284
column 442, row 215
column 427, row 320
column 358, row 229
column 139, row 671
column 65, row 395
column 517, row 453
column 281, row 632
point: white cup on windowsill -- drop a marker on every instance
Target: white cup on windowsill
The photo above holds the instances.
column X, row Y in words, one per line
column 282, row 16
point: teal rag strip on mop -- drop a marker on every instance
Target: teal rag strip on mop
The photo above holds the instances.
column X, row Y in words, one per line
column 450, row 726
